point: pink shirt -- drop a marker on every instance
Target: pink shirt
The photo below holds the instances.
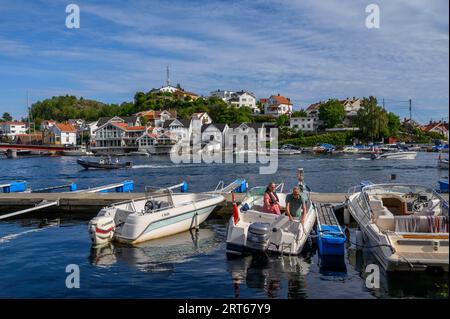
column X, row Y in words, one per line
column 269, row 207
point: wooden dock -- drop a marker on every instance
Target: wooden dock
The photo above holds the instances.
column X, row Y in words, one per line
column 92, row 202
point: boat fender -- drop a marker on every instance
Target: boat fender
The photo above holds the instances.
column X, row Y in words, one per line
column 245, row 207
column 235, row 213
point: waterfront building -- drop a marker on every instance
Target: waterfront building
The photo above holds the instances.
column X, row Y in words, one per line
column 13, row 128
column 154, row 142
column 116, row 135
column 178, row 128
column 214, row 132
column 29, row 139
column 277, row 105
column 60, row 134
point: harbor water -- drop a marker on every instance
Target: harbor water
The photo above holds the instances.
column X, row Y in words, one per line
column 35, row 250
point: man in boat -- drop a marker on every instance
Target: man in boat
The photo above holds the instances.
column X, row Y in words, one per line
column 296, row 205
column 271, row 201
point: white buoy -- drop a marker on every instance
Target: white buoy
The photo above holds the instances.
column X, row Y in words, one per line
column 359, row 240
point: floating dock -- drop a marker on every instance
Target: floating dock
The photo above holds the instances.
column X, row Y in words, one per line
column 74, row 201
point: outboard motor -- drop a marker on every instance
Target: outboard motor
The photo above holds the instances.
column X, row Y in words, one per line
column 101, row 229
column 258, row 236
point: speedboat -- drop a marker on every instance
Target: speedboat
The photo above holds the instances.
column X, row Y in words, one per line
column 404, row 226
column 251, row 229
column 77, row 151
column 289, row 149
column 323, row 148
column 104, row 163
column 401, row 155
column 160, row 213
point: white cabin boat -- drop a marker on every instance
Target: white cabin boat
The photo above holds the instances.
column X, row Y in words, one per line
column 161, row 213
column 405, row 226
column 258, row 231
column 396, row 155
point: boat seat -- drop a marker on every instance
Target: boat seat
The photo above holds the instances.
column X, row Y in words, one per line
column 376, row 203
column 384, row 219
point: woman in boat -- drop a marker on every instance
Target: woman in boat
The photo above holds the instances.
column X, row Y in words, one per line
column 271, row 201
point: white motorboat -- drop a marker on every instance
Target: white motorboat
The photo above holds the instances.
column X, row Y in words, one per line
column 252, row 229
column 77, row 151
column 160, row 213
column 289, row 149
column 402, row 155
column 405, row 226
column 443, row 163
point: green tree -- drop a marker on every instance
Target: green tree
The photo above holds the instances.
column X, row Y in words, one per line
column 331, row 113
column 372, row 119
column 282, row 120
column 393, row 124
column 299, row 113
column 7, row 117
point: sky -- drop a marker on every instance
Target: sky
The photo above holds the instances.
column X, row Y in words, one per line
column 306, row 50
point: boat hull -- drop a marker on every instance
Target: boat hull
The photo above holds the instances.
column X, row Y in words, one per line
column 95, row 165
column 398, row 156
column 164, row 228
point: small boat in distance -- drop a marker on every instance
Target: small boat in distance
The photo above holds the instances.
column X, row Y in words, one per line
column 104, row 163
column 289, row 149
column 77, row 151
column 442, row 162
column 401, row 155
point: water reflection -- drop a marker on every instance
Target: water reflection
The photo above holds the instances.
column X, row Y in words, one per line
column 400, row 284
column 159, row 255
column 271, row 274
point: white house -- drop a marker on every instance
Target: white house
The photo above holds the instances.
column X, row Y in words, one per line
column 244, row 99
column 46, row 124
column 178, row 129
column 61, row 134
column 11, row 129
column 277, row 105
column 203, row 117
column 116, row 135
column 307, row 124
column 224, row 95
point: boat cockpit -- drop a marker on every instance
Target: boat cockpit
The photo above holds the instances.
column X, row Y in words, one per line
column 405, row 208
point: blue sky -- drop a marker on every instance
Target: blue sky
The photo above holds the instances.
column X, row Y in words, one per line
column 305, row 50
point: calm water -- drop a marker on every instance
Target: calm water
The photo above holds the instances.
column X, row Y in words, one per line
column 34, row 255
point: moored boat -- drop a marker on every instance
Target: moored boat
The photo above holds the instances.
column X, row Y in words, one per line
column 159, row 214
column 251, row 229
column 404, row 226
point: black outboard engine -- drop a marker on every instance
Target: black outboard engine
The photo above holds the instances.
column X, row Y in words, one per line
column 258, row 236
